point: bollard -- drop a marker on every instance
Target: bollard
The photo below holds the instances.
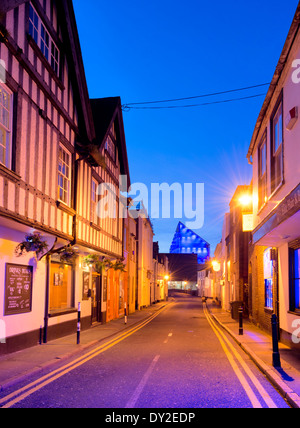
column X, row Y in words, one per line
column 125, row 313
column 276, row 355
column 41, row 335
column 241, row 327
column 79, row 324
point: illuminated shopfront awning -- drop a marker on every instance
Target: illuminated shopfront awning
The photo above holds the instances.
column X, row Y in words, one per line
column 283, row 224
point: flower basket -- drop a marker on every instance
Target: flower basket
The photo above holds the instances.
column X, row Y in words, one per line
column 32, row 243
column 97, row 262
column 68, row 255
column 119, row 265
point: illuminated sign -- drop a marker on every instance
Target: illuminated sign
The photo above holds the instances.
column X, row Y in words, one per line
column 248, row 221
column 268, row 264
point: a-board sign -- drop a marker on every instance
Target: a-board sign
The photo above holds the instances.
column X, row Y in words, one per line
column 18, row 289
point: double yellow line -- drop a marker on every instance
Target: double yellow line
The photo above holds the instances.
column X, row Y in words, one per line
column 233, row 356
column 22, row 393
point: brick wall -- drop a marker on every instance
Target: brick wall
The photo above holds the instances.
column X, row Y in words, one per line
column 258, row 313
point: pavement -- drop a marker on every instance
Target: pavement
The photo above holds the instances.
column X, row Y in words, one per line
column 17, row 367
column 258, row 345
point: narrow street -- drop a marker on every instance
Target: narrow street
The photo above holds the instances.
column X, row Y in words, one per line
column 179, row 358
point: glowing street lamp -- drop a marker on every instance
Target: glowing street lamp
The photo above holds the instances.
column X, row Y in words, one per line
column 246, row 200
column 216, row 266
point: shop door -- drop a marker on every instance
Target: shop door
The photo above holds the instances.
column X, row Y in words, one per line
column 96, row 298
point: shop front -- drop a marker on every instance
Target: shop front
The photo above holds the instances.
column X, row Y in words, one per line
column 279, row 239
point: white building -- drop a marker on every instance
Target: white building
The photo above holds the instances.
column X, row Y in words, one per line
column 275, row 155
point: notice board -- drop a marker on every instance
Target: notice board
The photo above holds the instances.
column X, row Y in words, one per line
column 18, row 289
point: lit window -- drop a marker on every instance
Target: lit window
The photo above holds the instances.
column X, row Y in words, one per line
column 5, row 126
column 64, row 176
column 295, row 279
column 268, row 276
column 61, row 287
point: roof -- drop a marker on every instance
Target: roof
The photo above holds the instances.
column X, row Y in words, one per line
column 105, row 111
column 278, row 72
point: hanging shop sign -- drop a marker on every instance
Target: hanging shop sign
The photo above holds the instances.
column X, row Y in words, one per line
column 18, row 289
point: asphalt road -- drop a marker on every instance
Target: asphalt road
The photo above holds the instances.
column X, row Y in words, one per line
column 178, row 360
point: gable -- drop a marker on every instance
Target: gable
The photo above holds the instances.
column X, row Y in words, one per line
column 107, row 115
column 186, row 241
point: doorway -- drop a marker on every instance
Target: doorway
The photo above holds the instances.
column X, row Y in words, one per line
column 96, row 299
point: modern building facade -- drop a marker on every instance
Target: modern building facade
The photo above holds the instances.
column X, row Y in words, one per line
column 186, row 241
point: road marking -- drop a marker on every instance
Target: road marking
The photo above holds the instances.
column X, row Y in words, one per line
column 251, row 395
column 40, row 383
column 137, row 393
column 266, row 397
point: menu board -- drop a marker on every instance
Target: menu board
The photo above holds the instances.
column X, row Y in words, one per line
column 18, row 289
column 86, row 286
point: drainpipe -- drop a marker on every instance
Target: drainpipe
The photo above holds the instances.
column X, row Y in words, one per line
column 46, row 318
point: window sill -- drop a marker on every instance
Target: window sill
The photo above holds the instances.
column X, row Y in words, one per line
column 95, row 226
column 295, row 312
column 277, row 189
column 7, row 173
column 62, row 206
column 269, row 311
column 262, row 207
column 61, row 312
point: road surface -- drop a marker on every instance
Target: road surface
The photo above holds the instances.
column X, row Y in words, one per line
column 178, row 359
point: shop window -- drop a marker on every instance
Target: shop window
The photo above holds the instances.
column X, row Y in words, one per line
column 61, row 287
column 268, row 278
column 295, row 279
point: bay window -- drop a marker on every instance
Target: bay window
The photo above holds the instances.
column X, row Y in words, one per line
column 277, row 147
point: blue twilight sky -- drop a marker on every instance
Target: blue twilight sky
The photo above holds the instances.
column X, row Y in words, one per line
column 145, row 50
